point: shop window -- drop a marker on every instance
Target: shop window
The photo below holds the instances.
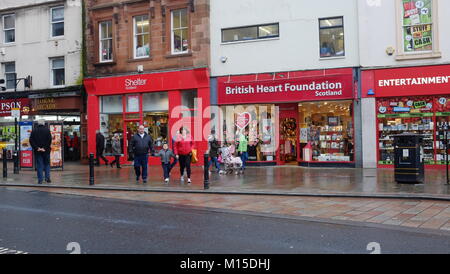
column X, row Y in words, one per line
column 250, row 33
column 58, row 72
column 10, row 75
column 133, row 103
column 106, row 41
column 331, row 37
column 57, row 21
column 9, row 28
column 180, row 30
column 259, row 120
column 326, row 131
column 111, row 120
column 141, row 36
column 417, row 25
column 156, row 116
column 7, row 136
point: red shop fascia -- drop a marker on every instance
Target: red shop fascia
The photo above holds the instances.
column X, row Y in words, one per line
column 414, row 100
column 174, row 83
column 286, row 90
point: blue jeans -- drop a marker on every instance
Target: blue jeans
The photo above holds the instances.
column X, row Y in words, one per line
column 216, row 163
column 141, row 161
column 244, row 158
column 43, row 164
column 167, row 167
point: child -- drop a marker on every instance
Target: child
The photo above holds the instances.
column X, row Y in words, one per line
column 165, row 155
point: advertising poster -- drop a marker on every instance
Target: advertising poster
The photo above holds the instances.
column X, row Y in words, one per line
column 56, row 157
column 417, row 19
column 26, row 151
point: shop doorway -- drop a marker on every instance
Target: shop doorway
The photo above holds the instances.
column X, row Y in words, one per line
column 130, row 128
column 289, row 142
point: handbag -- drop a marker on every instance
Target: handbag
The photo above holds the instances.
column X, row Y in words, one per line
column 194, row 158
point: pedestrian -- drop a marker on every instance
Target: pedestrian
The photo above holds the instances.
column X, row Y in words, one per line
column 242, row 148
column 67, row 144
column 41, row 141
column 166, row 154
column 183, row 149
column 141, row 145
column 75, row 147
column 214, row 151
column 116, row 150
column 100, row 145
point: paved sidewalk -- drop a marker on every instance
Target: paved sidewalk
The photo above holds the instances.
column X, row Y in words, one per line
column 410, row 214
column 287, row 180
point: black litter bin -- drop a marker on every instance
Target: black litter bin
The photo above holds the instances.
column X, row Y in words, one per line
column 408, row 158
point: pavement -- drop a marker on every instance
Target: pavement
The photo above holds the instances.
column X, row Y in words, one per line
column 282, row 180
column 42, row 222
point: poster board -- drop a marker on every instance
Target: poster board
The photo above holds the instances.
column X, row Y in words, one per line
column 56, row 150
column 26, row 151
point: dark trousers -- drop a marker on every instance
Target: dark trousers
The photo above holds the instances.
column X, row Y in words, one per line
column 116, row 161
column 185, row 163
column 167, row 167
column 244, row 158
column 216, row 163
column 141, row 161
column 43, row 164
column 100, row 156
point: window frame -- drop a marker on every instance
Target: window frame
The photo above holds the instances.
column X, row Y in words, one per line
column 172, row 32
column 400, row 52
column 5, row 30
column 258, row 38
column 57, row 22
column 135, row 35
column 332, row 27
column 52, row 69
column 100, row 40
column 5, row 73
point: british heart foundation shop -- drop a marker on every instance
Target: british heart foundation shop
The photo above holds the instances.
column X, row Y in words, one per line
column 297, row 118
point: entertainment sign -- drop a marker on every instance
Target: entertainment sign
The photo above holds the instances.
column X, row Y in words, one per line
column 287, row 90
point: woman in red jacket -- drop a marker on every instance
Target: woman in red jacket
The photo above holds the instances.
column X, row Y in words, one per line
column 183, row 149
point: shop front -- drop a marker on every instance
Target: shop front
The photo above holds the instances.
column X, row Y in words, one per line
column 162, row 102
column 410, row 100
column 300, row 118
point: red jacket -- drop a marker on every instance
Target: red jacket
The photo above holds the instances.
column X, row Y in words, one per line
column 183, row 146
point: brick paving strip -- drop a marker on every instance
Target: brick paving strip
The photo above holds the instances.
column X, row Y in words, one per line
column 397, row 212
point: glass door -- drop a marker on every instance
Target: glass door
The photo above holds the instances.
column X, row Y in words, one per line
column 131, row 128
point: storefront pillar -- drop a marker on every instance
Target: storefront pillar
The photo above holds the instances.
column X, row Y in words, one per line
column 94, row 122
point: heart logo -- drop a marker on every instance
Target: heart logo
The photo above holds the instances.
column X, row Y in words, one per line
column 243, row 120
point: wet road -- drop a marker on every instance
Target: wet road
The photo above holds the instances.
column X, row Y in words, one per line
column 40, row 222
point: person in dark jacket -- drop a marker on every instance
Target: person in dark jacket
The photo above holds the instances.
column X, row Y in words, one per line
column 166, row 154
column 214, row 151
column 116, row 150
column 41, row 141
column 100, row 145
column 141, row 145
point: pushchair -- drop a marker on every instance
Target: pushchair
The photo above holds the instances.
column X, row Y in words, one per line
column 231, row 163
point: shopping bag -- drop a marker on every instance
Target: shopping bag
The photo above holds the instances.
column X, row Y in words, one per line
column 194, row 156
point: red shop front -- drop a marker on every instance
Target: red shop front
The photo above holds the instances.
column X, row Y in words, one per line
column 162, row 102
column 293, row 118
column 410, row 100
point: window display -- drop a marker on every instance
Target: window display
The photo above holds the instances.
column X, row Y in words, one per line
column 417, row 25
column 260, row 122
column 7, row 139
column 326, row 131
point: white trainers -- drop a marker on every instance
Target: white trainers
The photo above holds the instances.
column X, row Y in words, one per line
column 182, row 178
column 166, row 180
column 189, row 180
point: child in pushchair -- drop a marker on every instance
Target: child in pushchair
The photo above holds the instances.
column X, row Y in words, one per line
column 230, row 162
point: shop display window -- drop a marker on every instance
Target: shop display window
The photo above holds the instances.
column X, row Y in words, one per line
column 111, row 120
column 417, row 25
column 326, row 131
column 7, row 139
column 259, row 120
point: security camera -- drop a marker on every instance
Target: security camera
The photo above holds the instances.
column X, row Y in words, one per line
column 223, row 59
column 390, row 51
column 140, row 68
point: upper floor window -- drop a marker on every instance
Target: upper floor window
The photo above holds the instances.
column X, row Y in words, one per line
column 106, row 41
column 180, row 29
column 331, row 32
column 57, row 71
column 57, row 21
column 141, row 36
column 417, row 25
column 250, row 33
column 10, row 75
column 9, row 28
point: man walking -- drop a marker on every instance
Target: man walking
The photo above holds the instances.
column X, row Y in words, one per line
column 41, row 141
column 141, row 145
column 100, row 145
